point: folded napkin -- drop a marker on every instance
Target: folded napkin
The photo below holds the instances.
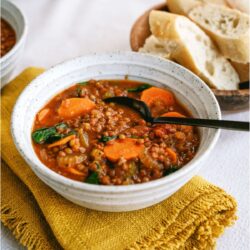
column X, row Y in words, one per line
column 39, row 218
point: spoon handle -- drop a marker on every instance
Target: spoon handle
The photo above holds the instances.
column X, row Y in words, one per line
column 233, row 125
column 244, row 85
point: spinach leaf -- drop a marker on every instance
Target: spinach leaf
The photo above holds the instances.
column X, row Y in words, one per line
column 58, row 136
column 43, row 134
column 140, row 88
column 78, row 91
column 49, row 134
column 170, row 170
column 92, row 178
column 107, row 138
column 83, row 83
column 54, row 137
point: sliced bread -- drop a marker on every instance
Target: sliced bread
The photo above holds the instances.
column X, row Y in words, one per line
column 182, row 7
column 229, row 29
column 220, row 2
column 195, row 50
column 242, row 70
column 242, row 5
column 156, row 47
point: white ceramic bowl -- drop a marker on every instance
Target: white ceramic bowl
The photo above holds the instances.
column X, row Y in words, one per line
column 187, row 87
column 12, row 14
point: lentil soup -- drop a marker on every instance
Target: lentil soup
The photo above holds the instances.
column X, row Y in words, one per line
column 81, row 137
column 8, row 37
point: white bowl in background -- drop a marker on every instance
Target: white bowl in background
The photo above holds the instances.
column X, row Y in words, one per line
column 13, row 15
column 188, row 88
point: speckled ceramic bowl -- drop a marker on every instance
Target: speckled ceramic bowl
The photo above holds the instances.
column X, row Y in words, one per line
column 13, row 15
column 187, row 87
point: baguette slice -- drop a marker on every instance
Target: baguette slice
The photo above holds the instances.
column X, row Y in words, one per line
column 242, row 5
column 227, row 27
column 182, row 7
column 196, row 51
column 156, row 47
column 219, row 2
column 242, row 70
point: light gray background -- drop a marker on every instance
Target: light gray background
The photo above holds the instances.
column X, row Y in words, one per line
column 63, row 29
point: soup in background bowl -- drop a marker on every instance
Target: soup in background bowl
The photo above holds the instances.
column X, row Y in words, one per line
column 193, row 94
column 8, row 37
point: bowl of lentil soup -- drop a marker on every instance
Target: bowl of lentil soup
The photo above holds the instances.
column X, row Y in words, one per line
column 13, row 34
column 105, row 156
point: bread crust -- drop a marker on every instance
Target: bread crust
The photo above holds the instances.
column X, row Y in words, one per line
column 242, row 5
column 242, row 70
column 182, row 7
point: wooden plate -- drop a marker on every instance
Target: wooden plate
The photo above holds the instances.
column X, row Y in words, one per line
column 228, row 99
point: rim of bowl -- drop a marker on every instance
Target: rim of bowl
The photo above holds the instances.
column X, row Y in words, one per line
column 14, row 49
column 53, row 176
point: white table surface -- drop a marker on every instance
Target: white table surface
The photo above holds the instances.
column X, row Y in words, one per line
column 62, row 29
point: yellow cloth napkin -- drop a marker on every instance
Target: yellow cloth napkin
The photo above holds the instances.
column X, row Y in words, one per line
column 39, row 218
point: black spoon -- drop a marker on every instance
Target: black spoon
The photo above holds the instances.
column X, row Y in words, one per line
column 143, row 109
column 244, row 85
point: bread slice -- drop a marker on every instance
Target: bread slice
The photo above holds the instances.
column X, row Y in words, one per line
column 153, row 46
column 242, row 70
column 242, row 5
column 182, row 7
column 229, row 29
column 219, row 2
column 195, row 51
column 156, row 47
